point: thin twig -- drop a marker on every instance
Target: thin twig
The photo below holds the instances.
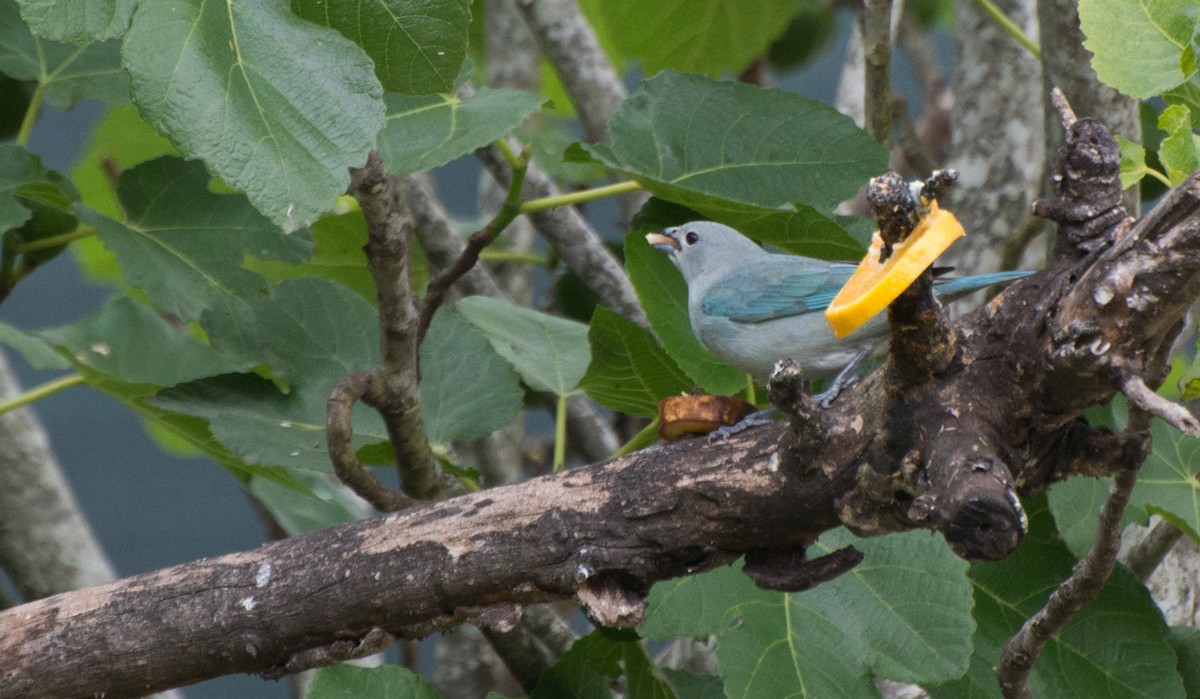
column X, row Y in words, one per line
column 1173, row 413
column 338, row 433
column 440, row 284
column 394, row 393
column 1022, row 650
column 439, row 239
column 1010, row 27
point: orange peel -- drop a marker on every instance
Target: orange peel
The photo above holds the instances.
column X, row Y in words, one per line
column 873, row 285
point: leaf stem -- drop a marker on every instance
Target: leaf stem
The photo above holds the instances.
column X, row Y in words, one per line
column 560, row 433
column 1160, row 177
column 55, row 240
column 518, row 257
column 1010, row 27
column 39, row 392
column 644, row 438
column 514, row 161
column 31, row 115
column 535, row 205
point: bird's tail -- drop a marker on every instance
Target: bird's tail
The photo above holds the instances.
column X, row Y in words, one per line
column 965, row 285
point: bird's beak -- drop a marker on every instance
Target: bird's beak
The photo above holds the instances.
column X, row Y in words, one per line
column 663, row 242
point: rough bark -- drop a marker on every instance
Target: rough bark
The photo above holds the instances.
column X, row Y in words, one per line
column 46, row 545
column 941, row 437
column 996, row 141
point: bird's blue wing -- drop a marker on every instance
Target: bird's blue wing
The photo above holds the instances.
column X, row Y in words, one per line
column 779, row 289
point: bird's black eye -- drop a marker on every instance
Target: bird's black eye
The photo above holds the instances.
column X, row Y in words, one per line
column 691, row 237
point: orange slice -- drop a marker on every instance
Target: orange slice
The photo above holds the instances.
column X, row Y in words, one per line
column 873, row 285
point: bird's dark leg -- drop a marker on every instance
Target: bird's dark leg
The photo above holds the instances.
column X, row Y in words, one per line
column 845, row 379
column 754, row 419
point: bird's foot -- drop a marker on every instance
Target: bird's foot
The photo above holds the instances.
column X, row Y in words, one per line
column 755, row 419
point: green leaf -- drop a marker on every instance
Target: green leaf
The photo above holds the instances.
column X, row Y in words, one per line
column 77, row 20
column 909, row 601
column 36, row 351
column 1138, row 47
column 904, row 613
column 262, row 426
column 66, row 74
column 696, row 141
column 1076, row 504
column 426, row 131
column 119, row 141
column 1133, row 162
column 184, row 245
column 312, row 333
column 550, row 353
column 1185, row 640
column 384, row 682
column 21, row 172
column 467, row 389
column 663, row 295
column 1167, row 483
column 692, row 686
column 325, row 505
column 586, row 669
column 277, row 107
column 1082, row 660
column 723, row 35
column 131, row 342
column 338, row 241
column 418, row 46
column 629, row 371
column 1178, row 151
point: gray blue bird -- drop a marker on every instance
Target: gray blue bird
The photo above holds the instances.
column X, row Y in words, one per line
column 752, row 307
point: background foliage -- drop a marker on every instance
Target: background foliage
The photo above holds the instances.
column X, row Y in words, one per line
column 209, row 199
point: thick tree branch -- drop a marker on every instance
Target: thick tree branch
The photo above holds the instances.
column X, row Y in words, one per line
column 876, row 21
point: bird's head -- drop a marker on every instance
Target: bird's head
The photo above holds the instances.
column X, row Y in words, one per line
column 704, row 246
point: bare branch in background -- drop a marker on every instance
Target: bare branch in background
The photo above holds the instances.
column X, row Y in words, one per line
column 574, row 240
column 876, row 22
column 997, row 142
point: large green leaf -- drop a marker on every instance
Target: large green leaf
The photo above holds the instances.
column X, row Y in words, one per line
column 467, row 389
column 550, row 353
column 119, row 141
column 1138, row 47
column 277, row 107
column 723, row 35
column 629, row 371
column 663, row 295
column 587, row 669
column 312, row 333
column 696, row 142
column 131, row 342
column 338, row 242
column 1116, row 646
column 1167, row 482
column 77, row 20
column 184, row 245
column 426, row 131
column 66, row 74
column 264, row 427
column 904, row 613
column 383, row 682
column 418, row 45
